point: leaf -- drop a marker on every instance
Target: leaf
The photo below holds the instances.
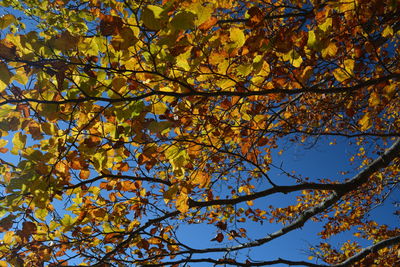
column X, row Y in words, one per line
column 312, row 41
column 237, row 36
column 388, row 31
column 110, row 25
column 153, row 17
column 19, row 141
column 3, row 143
column 374, row 99
column 208, row 23
column 65, row 41
column 158, row 108
column 182, row 202
column 365, row 122
column 28, row 228
column 203, row 15
column 67, row 220
column 294, row 58
column 6, row 20
column 330, row 50
column 7, row 50
column 5, row 110
column 7, row 222
column 84, row 174
column 183, row 20
column 8, row 238
column 160, row 126
column 41, row 214
column 125, row 39
column 202, row 179
column 5, row 76
column 326, row 26
column 349, row 66
column 219, row 238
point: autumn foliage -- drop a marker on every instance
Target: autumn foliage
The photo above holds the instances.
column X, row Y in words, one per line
column 122, row 120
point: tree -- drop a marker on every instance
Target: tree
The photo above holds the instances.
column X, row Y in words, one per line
column 127, row 118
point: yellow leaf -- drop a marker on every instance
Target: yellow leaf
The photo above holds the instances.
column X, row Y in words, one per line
column 365, row 122
column 3, row 264
column 374, row 99
column 306, row 74
column 390, row 90
column 330, row 50
column 8, row 237
column 41, row 214
column 349, row 66
column 6, row 20
column 19, row 141
column 159, row 108
column 5, row 76
column 312, row 41
column 182, row 202
column 202, row 179
column 182, row 60
column 237, row 36
column 294, row 58
column 388, row 31
column 203, row 13
column 340, row 74
column 327, row 25
column 3, row 142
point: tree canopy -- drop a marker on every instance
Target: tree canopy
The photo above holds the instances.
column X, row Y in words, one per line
column 121, row 120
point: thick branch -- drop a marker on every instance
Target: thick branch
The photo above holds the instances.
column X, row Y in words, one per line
column 236, row 263
column 373, row 248
column 362, row 177
column 113, row 176
column 268, row 17
column 276, row 189
column 192, row 92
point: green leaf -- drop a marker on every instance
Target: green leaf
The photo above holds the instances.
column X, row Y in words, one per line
column 153, row 17
column 5, row 76
column 203, row 13
column 313, row 41
column 41, row 214
column 19, row 141
column 67, row 220
column 244, row 70
column 5, row 110
column 130, row 111
column 183, row 21
column 159, row 126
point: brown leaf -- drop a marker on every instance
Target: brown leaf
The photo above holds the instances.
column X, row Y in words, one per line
column 219, row 238
column 110, row 25
column 6, row 223
column 208, row 23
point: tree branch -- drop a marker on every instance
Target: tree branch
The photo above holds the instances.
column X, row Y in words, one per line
column 373, row 248
column 113, row 176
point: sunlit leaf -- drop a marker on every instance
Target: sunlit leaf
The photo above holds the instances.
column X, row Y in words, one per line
column 6, row 20
column 5, row 76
